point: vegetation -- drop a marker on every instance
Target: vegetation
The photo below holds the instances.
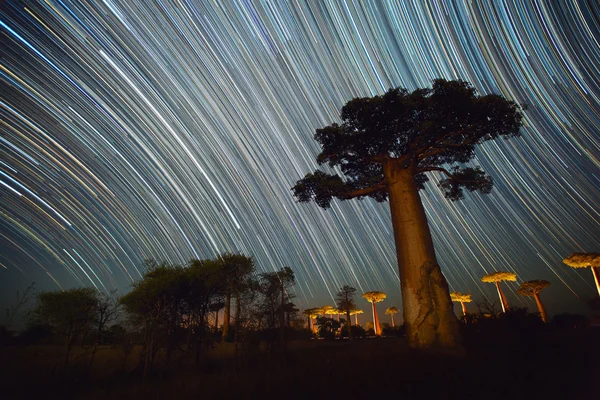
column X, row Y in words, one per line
column 533, row 288
column 586, row 260
column 496, row 278
column 387, row 147
column 345, row 303
column 374, row 298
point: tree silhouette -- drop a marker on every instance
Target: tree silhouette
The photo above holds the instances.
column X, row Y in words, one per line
column 533, row 288
column 345, row 303
column 391, row 311
column 384, row 147
column 497, row 277
column 374, row 298
column 235, row 269
column 69, row 313
column 311, row 313
column 462, row 299
column 586, row 260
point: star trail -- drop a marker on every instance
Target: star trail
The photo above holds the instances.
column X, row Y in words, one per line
column 175, row 129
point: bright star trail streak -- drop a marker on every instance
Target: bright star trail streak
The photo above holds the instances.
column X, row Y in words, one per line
column 175, row 130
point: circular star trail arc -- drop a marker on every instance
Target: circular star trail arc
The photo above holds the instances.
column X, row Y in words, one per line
column 175, row 129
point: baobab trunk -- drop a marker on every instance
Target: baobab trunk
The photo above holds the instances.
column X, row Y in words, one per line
column 502, row 297
column 428, row 314
column 464, row 308
column 226, row 317
column 596, row 272
column 349, row 324
column 376, row 320
column 356, row 319
column 540, row 306
column 393, row 323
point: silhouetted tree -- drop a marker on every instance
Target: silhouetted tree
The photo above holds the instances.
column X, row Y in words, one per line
column 345, row 303
column 533, row 288
column 586, row 260
column 69, row 313
column 384, row 147
column 496, row 278
column 236, row 270
column 375, row 297
column 274, row 287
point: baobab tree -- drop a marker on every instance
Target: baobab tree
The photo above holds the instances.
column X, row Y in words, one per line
column 462, row 299
column 355, row 312
column 384, row 148
column 533, row 288
column 312, row 313
column 374, row 298
column 497, row 277
column 391, row 311
column 585, row 260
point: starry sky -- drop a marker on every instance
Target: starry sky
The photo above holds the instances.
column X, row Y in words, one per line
column 174, row 129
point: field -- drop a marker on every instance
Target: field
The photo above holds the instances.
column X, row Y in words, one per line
column 549, row 364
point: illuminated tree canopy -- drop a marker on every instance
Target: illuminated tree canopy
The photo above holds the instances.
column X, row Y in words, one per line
column 499, row 277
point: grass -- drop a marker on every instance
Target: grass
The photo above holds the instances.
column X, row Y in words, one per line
column 521, row 365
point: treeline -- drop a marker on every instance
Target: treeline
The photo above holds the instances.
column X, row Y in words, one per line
column 173, row 310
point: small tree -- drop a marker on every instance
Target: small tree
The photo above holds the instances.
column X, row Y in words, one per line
column 497, row 277
column 533, row 288
column 391, row 311
column 345, row 303
column 586, row 260
column 386, row 147
column 69, row 313
column 462, row 299
column 375, row 297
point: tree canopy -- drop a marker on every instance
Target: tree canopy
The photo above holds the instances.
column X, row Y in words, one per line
column 374, row 296
column 460, row 297
column 433, row 129
column 583, row 260
column 499, row 277
column 531, row 288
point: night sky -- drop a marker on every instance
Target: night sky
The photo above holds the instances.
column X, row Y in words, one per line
column 175, row 130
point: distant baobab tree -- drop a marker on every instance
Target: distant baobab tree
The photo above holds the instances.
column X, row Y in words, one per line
column 497, row 277
column 533, row 288
column 355, row 312
column 586, row 260
column 391, row 311
column 461, row 298
column 312, row 313
column 373, row 298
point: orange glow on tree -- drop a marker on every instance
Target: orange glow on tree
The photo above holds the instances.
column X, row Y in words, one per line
column 586, row 260
column 374, row 298
column 497, row 277
column 461, row 298
column 533, row 288
column 391, row 311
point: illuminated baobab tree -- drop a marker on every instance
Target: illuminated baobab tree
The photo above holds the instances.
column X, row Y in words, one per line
column 462, row 299
column 391, row 311
column 374, row 298
column 386, row 147
column 585, row 260
column 533, row 288
column 497, row 277
column 355, row 312
column 312, row 313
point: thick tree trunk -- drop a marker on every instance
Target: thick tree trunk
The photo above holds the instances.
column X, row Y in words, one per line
column 226, row 317
column 502, row 298
column 428, row 313
column 376, row 320
column 393, row 323
column 540, row 307
column 356, row 319
column 464, row 308
column 349, row 324
column 596, row 272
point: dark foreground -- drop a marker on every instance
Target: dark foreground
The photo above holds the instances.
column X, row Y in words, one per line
column 546, row 365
